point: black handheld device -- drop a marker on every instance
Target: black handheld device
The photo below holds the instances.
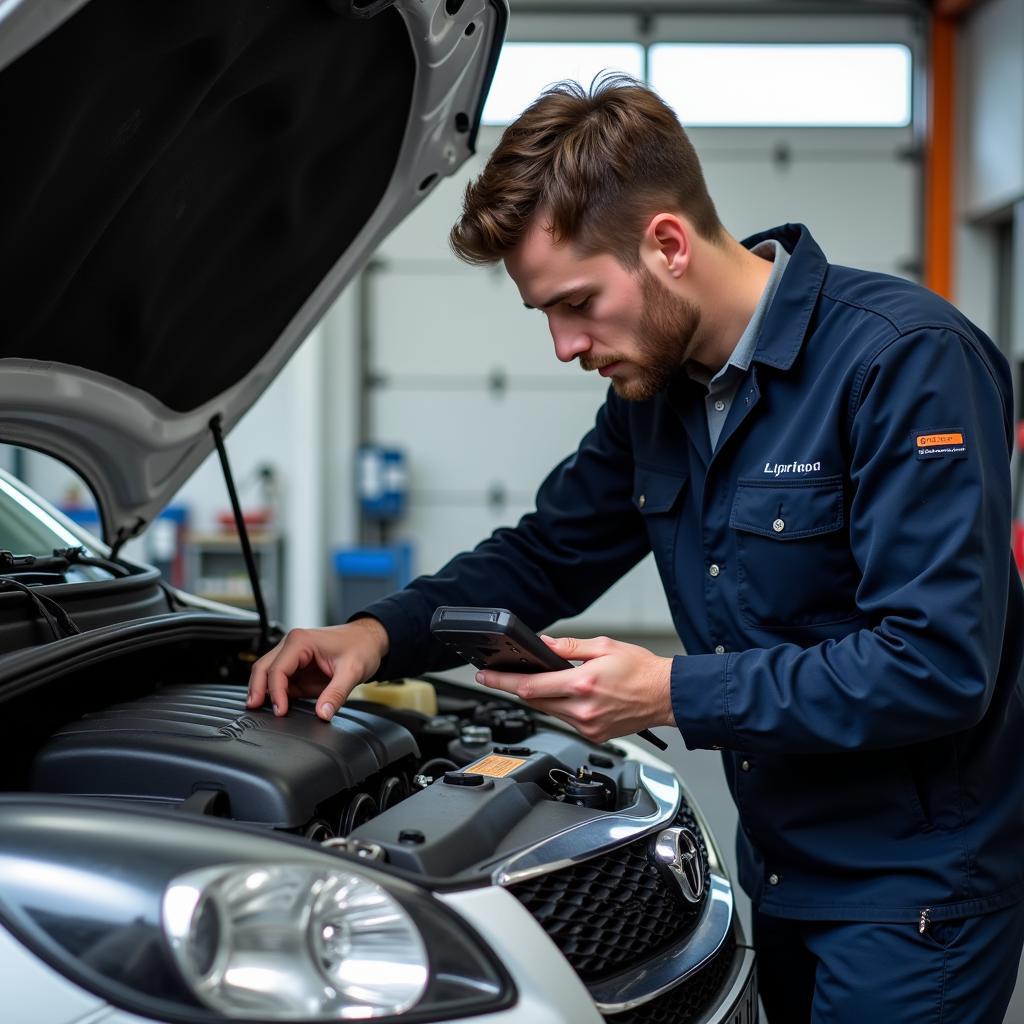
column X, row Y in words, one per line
column 494, row 638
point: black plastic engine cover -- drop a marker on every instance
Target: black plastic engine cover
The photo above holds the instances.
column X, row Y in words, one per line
column 452, row 828
column 164, row 747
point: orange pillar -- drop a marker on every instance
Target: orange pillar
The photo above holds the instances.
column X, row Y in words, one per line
column 939, row 199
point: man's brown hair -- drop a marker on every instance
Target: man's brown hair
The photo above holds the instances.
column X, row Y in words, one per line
column 598, row 164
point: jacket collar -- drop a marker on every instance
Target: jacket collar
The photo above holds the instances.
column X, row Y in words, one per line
column 785, row 324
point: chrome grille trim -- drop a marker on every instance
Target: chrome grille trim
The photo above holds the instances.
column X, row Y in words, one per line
column 598, row 835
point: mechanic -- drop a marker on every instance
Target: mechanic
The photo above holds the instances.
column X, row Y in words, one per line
column 819, row 459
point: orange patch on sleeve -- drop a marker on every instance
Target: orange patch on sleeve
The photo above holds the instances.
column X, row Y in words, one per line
column 938, row 440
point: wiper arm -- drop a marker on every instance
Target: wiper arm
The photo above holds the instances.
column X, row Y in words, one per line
column 58, row 563
column 15, row 565
column 77, row 556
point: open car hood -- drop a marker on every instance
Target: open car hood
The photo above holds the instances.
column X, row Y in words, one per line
column 186, row 186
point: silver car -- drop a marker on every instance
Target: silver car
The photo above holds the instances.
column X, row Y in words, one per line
column 187, row 186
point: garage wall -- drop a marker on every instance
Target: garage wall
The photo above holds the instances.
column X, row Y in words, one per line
column 990, row 57
column 464, row 378
column 990, row 167
column 989, row 173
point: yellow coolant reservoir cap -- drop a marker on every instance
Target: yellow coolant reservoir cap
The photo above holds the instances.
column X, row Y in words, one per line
column 408, row 694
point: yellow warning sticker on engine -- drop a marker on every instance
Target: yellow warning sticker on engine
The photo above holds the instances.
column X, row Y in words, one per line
column 495, row 766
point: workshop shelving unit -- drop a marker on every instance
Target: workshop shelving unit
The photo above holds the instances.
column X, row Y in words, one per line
column 215, row 568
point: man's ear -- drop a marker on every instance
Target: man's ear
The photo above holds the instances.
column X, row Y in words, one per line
column 666, row 245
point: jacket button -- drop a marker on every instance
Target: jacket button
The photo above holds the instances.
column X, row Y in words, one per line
column 713, row 570
column 773, row 879
column 779, row 525
column 719, row 649
column 745, row 765
column 642, row 500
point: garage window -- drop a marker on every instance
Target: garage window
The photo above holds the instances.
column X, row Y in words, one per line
column 526, row 69
column 792, row 85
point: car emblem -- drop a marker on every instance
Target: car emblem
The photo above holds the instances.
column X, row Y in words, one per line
column 676, row 855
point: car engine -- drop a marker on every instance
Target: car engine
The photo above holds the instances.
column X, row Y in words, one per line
column 369, row 774
column 482, row 792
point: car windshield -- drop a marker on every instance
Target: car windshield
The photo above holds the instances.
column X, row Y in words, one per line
column 27, row 529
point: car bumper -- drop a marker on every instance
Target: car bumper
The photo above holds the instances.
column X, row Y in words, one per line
column 549, row 991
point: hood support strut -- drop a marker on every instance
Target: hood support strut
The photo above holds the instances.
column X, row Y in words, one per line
column 216, row 428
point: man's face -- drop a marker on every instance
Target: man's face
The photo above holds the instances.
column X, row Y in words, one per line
column 625, row 325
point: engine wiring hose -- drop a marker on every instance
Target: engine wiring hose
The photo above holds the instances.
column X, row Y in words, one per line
column 443, row 763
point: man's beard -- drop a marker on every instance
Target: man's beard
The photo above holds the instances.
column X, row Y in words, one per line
column 665, row 339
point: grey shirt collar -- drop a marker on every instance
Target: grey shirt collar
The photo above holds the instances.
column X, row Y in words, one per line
column 743, row 353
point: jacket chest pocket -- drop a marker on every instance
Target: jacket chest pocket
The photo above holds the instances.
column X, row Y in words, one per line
column 793, row 555
column 657, row 496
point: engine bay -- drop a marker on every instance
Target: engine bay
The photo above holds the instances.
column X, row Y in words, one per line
column 440, row 794
column 466, row 790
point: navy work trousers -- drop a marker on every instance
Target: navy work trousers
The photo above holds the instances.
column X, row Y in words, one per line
column 841, row 972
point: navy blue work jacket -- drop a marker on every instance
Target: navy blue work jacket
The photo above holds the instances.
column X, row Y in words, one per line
column 839, row 572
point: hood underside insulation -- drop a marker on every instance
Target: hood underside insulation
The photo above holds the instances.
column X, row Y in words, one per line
column 180, row 175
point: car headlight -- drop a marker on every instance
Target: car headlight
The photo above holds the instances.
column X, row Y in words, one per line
column 290, row 940
column 192, row 920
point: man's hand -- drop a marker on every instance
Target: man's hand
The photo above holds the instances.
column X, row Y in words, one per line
column 619, row 689
column 327, row 663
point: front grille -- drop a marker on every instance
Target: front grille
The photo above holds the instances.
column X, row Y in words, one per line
column 613, row 911
column 686, row 1002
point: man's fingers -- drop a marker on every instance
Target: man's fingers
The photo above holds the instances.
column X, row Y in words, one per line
column 557, row 707
column 289, row 660
column 324, row 664
column 257, row 686
column 543, row 685
column 574, row 649
column 579, row 716
column 258, row 678
column 336, row 692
